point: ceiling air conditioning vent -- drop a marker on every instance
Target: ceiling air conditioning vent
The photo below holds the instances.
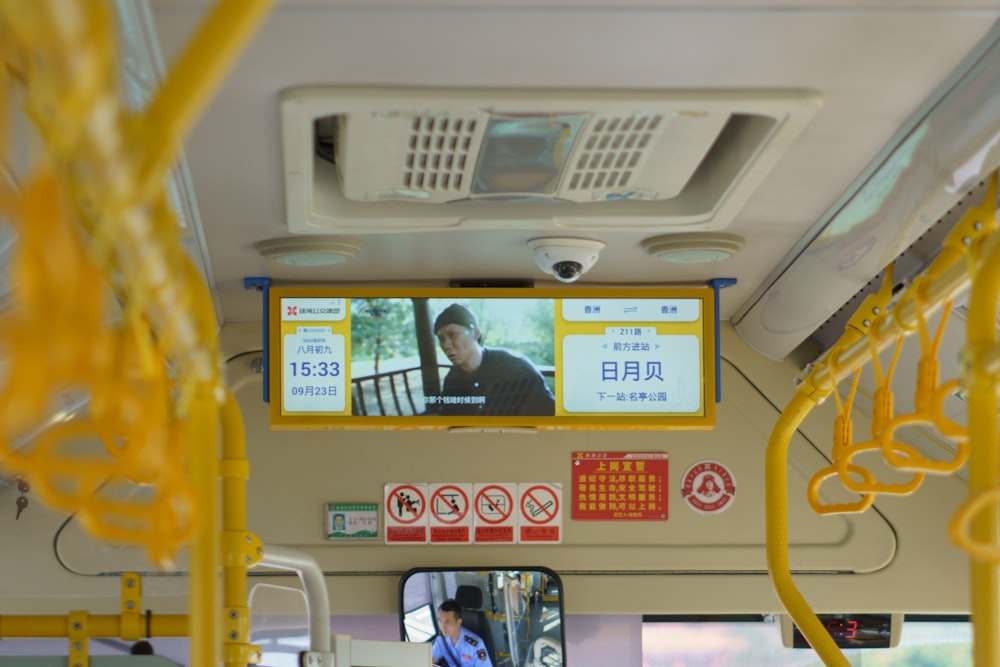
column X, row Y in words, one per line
column 613, row 151
column 389, row 159
column 437, row 155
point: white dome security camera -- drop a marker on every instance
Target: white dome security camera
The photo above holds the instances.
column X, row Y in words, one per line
column 566, row 259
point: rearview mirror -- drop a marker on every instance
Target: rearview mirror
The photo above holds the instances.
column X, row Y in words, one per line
column 512, row 617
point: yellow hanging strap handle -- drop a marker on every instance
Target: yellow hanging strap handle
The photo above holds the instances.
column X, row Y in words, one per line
column 977, row 224
column 52, row 284
column 968, row 235
column 842, row 428
column 881, row 415
column 860, row 328
column 60, row 329
column 155, row 381
column 960, row 528
column 927, row 389
column 949, row 427
column 58, row 314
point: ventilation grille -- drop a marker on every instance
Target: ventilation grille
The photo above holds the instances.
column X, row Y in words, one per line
column 372, row 159
column 612, row 152
column 438, row 153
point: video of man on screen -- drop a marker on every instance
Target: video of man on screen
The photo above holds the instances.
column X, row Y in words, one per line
column 490, row 357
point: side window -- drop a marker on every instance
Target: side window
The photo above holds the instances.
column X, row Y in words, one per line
column 419, row 624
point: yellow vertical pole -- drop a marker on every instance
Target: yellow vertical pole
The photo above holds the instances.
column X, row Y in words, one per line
column 179, row 101
column 241, row 549
column 983, row 455
column 776, row 513
column 204, row 596
column 200, row 68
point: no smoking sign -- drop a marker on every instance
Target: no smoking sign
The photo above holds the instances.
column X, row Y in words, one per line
column 540, row 513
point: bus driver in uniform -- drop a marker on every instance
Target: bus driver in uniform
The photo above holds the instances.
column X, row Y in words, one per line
column 486, row 380
column 456, row 646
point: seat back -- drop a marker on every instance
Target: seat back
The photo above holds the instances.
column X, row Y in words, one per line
column 470, row 598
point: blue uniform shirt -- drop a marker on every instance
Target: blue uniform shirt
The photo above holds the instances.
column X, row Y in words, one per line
column 470, row 651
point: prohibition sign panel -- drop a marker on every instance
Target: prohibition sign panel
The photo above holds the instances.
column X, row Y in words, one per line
column 495, row 519
column 450, row 518
column 405, row 513
column 540, row 516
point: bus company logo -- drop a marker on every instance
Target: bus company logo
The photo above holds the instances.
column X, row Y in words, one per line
column 322, row 312
column 708, row 487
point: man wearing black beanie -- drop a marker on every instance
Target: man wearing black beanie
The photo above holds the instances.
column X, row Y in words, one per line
column 485, row 380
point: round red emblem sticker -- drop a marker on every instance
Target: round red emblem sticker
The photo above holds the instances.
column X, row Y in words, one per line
column 708, row 487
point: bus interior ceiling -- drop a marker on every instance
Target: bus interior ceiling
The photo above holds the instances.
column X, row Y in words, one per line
column 823, row 142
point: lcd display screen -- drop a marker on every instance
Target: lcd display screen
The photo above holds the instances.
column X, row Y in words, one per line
column 852, row 630
column 486, row 357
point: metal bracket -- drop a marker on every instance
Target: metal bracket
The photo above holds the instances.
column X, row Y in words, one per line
column 873, row 305
column 235, row 631
column 241, row 548
column 79, row 641
column 131, row 624
column 718, row 284
column 317, row 659
column 263, row 285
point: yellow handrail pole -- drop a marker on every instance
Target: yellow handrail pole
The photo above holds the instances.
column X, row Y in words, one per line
column 851, row 352
column 204, row 598
column 983, row 455
column 943, row 285
column 98, row 625
column 991, row 360
column 776, row 512
column 198, row 71
column 240, row 548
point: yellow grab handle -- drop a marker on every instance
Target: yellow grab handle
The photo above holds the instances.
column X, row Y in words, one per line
column 914, row 460
column 818, row 506
column 946, row 426
column 959, row 527
column 845, row 467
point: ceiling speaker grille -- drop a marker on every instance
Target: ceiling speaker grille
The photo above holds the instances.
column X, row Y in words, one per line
column 437, row 156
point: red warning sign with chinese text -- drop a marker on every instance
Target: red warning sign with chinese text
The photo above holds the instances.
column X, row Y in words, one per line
column 541, row 513
column 495, row 519
column 616, row 486
column 450, row 517
column 405, row 513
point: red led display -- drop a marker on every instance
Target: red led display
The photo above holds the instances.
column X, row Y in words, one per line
column 852, row 630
